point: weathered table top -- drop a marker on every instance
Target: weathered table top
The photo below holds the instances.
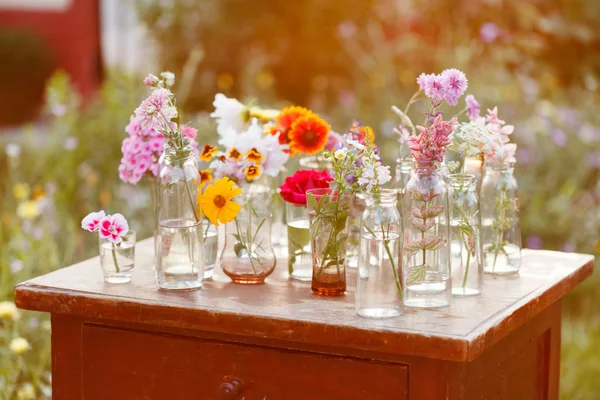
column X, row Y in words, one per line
column 286, row 310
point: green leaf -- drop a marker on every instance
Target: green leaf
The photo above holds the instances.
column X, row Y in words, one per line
column 417, row 274
column 238, row 248
column 431, row 243
column 417, row 196
column 312, row 201
column 432, row 212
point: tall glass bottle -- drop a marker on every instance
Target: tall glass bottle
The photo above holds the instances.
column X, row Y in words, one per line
column 357, row 208
column 179, row 261
column 426, row 247
column 378, row 286
column 465, row 236
column 501, row 233
column 402, row 175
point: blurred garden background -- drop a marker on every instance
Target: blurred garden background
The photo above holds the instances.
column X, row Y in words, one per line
column 71, row 74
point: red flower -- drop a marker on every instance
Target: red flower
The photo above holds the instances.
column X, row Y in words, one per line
column 295, row 186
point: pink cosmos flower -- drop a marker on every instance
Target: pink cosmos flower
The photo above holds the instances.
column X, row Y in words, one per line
column 113, row 228
column 151, row 80
column 472, row 107
column 430, row 144
column 403, row 134
column 91, row 222
column 431, row 84
column 155, row 111
column 454, row 85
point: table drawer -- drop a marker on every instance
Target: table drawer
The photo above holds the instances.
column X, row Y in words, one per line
column 127, row 364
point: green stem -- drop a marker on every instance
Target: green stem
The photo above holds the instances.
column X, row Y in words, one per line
column 114, row 257
column 332, row 235
column 386, row 245
column 500, row 229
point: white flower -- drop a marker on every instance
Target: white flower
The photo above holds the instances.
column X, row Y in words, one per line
column 229, row 113
column 275, row 154
column 356, row 144
column 340, row 154
column 169, row 78
column 383, row 174
column 13, row 150
column 19, row 345
column 9, row 310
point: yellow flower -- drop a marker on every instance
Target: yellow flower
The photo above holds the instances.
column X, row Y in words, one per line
column 20, row 191
column 28, row 209
column 252, row 172
column 234, row 154
column 216, row 201
column 9, row 310
column 19, row 345
column 264, row 115
column 207, row 153
column 205, row 176
column 254, row 155
column 26, row 392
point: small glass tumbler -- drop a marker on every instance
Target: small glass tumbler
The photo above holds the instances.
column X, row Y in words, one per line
column 117, row 260
column 299, row 248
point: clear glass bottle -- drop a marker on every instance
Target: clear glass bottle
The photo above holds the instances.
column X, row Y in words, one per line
column 475, row 166
column 210, row 236
column 328, row 215
column 299, row 249
column 426, row 247
column 180, row 260
column 357, row 208
column 465, row 236
column 402, row 175
column 501, row 233
column 117, row 260
column 378, row 287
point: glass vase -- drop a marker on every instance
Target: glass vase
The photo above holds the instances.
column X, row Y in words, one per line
column 501, row 234
column 357, row 208
column 465, row 236
column 248, row 256
column 315, row 162
column 475, row 166
column 210, row 236
column 117, row 260
column 299, row 249
column 378, row 288
column 179, row 261
column 426, row 249
column 328, row 214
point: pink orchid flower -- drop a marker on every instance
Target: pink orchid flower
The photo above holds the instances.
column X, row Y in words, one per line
column 91, row 222
column 113, row 228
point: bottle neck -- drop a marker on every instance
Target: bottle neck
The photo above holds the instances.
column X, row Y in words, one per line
column 385, row 198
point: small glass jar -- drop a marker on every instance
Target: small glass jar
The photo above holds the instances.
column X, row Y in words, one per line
column 475, row 166
column 465, row 236
column 299, row 249
column 356, row 211
column 378, row 288
column 501, row 233
column 248, row 256
column 210, row 235
column 426, row 247
column 117, row 260
column 328, row 215
column 180, row 259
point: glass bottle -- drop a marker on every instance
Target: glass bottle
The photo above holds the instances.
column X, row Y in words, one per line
column 356, row 211
column 179, row 261
column 210, row 237
column 299, row 249
column 402, row 174
column 378, row 287
column 426, row 248
column 501, row 233
column 328, row 215
column 475, row 166
column 465, row 236
column 248, row 256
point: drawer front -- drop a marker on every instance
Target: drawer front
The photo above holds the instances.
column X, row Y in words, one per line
column 126, row 364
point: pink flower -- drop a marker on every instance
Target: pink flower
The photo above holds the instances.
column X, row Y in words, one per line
column 91, row 222
column 489, row 32
column 492, row 117
column 472, row 107
column 430, row 144
column 189, row 132
column 133, row 128
column 155, row 111
column 454, row 85
column 403, row 134
column 151, row 80
column 333, row 141
column 431, row 84
column 113, row 228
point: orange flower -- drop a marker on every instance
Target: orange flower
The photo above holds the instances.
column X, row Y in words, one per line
column 286, row 119
column 252, row 172
column 360, row 133
column 207, row 153
column 308, row 135
column 205, row 176
column 222, row 158
column 234, row 153
column 254, row 156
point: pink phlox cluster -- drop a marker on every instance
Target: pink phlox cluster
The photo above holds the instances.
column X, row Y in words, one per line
column 430, row 144
column 450, row 85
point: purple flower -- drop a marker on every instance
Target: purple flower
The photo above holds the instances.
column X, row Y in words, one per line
column 589, row 133
column 151, row 80
column 524, row 156
column 71, row 143
column 16, row 266
column 489, row 32
column 559, row 137
column 431, row 84
column 403, row 134
column 472, row 107
column 454, row 85
column 593, row 159
column 568, row 247
column 533, row 242
column 333, row 141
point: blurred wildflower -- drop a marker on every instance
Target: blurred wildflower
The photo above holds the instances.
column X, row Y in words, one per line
column 46, row 325
column 559, row 137
column 568, row 247
column 26, row 392
column 19, row 345
column 472, row 107
column 58, row 109
column 264, row 80
column 534, row 242
column 20, row 191
column 34, row 322
column 37, row 233
column 224, row 81
column 13, row 150
column 70, row 143
column 8, row 310
column 28, row 210
column 15, row 266
column 37, row 192
column 593, row 159
column 333, row 141
column 489, row 32
column 589, row 133
column 524, row 156
column 346, row 29
column 346, row 98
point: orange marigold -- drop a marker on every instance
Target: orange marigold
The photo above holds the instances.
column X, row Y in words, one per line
column 308, row 135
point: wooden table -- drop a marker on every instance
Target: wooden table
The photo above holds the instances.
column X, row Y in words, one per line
column 278, row 341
